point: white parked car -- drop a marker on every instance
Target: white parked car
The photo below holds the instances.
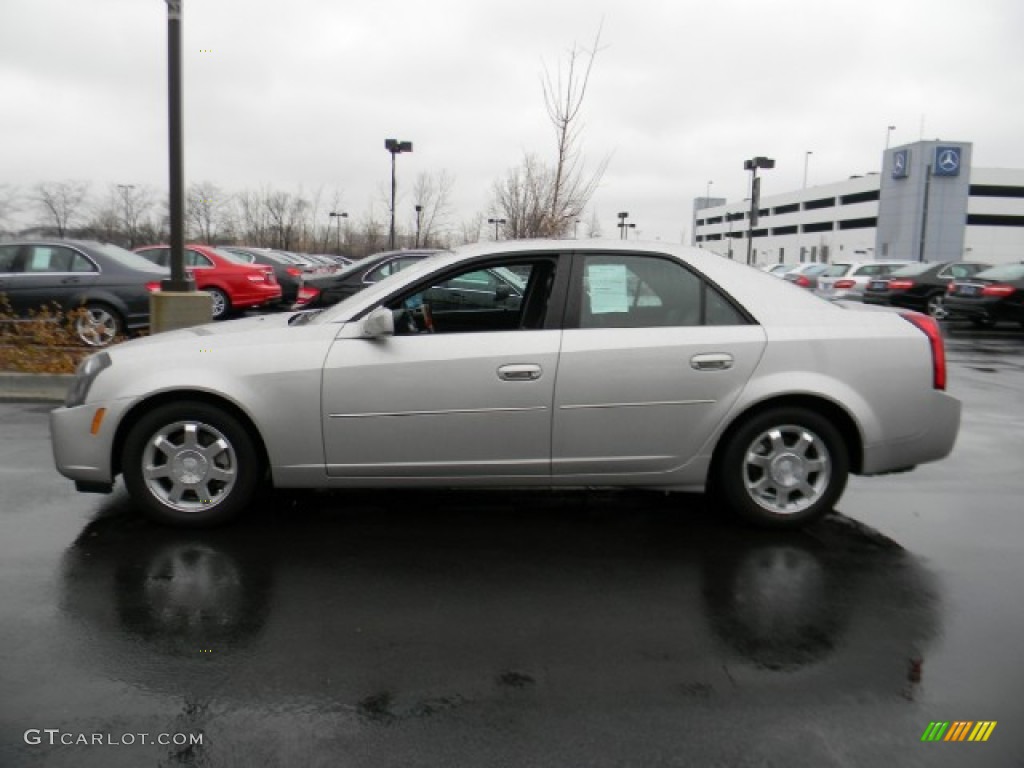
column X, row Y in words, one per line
column 848, row 279
column 619, row 364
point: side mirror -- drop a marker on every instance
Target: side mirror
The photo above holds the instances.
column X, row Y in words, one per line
column 501, row 293
column 380, row 322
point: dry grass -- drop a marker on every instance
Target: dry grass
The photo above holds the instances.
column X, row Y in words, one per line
column 44, row 341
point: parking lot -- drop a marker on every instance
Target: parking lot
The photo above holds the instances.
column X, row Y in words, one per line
column 524, row 629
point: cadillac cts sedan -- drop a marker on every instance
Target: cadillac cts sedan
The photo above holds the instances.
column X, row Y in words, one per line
column 620, row 365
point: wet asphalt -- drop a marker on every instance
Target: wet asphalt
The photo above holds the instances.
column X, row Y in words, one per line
column 524, row 629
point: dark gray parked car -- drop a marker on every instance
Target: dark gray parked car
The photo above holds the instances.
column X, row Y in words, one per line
column 110, row 283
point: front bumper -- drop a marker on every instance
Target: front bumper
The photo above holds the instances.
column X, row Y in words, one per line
column 80, row 455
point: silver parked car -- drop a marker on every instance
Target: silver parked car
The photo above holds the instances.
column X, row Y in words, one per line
column 848, row 279
column 617, row 364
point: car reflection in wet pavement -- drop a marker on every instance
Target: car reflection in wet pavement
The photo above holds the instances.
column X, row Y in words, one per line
column 416, row 607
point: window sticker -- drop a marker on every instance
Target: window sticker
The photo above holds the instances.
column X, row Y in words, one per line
column 608, row 288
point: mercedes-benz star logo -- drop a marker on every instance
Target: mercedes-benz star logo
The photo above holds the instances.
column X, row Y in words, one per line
column 900, row 161
column 949, row 160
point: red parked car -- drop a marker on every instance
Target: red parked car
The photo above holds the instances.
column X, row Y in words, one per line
column 232, row 282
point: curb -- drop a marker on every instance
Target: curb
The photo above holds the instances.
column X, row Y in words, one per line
column 35, row 386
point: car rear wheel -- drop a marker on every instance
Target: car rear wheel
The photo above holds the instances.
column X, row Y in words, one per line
column 783, row 468
column 97, row 325
column 937, row 307
column 221, row 303
column 190, row 464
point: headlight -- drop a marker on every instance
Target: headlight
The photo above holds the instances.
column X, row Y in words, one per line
column 86, row 374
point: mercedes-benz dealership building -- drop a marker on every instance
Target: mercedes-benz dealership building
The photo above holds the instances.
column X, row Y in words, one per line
column 927, row 204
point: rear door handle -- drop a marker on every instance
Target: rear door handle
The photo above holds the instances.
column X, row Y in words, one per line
column 519, row 372
column 712, row 361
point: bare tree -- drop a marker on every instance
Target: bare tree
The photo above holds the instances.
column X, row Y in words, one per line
column 522, row 198
column 9, row 204
column 541, row 200
column 134, row 202
column 571, row 188
column 470, row 229
column 60, row 201
column 432, row 192
column 105, row 222
column 207, row 211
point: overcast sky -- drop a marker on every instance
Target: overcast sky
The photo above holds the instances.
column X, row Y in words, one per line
column 304, row 92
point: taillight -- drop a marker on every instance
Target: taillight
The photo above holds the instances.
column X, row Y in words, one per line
column 306, row 295
column 294, row 271
column 900, row 285
column 997, row 289
column 950, row 287
column 803, row 282
column 256, row 278
column 844, row 283
column 153, row 287
column 930, row 327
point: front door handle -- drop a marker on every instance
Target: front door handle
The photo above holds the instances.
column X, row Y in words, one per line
column 519, row 372
column 712, row 361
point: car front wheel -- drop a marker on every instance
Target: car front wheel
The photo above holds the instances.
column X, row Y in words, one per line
column 783, row 468
column 190, row 464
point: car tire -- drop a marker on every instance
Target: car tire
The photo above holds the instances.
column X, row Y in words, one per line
column 936, row 306
column 221, row 303
column 190, row 464
column 98, row 325
column 782, row 468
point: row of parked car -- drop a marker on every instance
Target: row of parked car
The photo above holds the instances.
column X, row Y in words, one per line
column 974, row 291
column 112, row 285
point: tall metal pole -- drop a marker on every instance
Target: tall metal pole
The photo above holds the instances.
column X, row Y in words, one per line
column 391, row 237
column 419, row 222
column 178, row 281
column 888, row 134
column 807, row 157
column 924, row 211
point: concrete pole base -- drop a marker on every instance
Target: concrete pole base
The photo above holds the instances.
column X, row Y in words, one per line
column 171, row 310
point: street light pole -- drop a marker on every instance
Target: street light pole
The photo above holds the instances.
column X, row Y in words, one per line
column 496, row 222
column 395, row 147
column 888, row 135
column 755, row 196
column 807, row 157
column 419, row 222
column 179, row 281
column 707, row 195
column 623, row 215
column 339, row 217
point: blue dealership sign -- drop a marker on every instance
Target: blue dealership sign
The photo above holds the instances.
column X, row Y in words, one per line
column 901, row 163
column 947, row 161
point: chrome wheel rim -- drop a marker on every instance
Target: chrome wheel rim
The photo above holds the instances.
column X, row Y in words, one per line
column 937, row 307
column 96, row 327
column 189, row 466
column 786, row 469
column 220, row 303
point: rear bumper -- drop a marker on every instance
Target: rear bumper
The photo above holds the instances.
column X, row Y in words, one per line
column 256, row 298
column 935, row 441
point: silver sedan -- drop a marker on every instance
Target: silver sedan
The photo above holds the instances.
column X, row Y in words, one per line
column 590, row 364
